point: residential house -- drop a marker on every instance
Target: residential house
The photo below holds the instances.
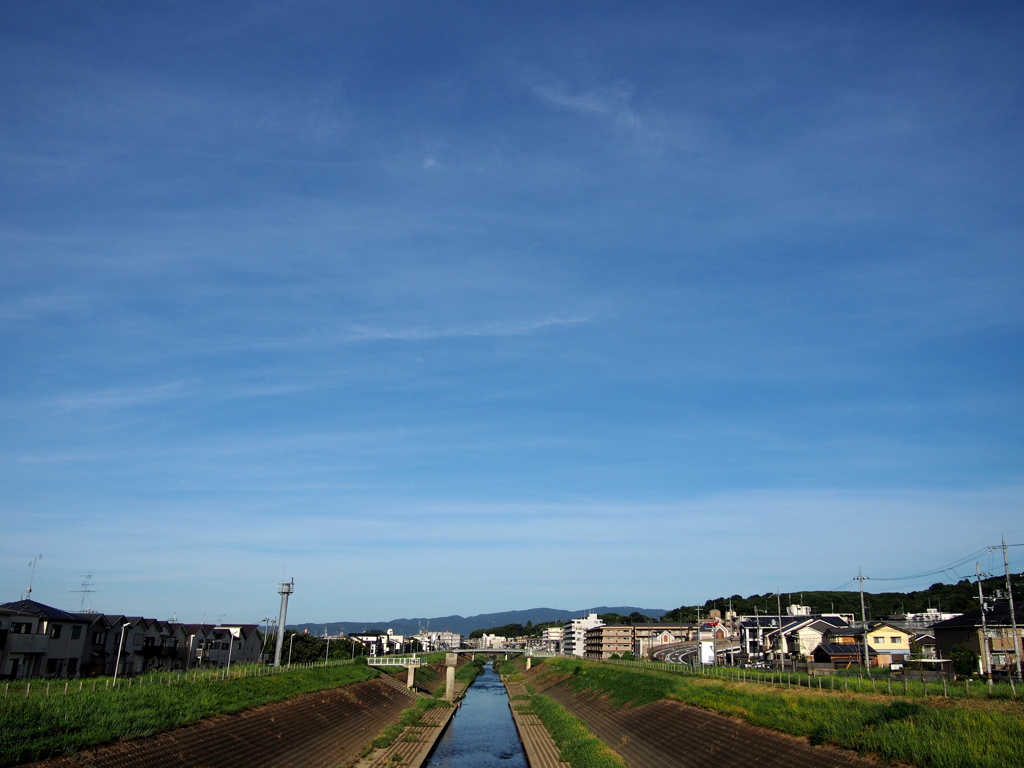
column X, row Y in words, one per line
column 756, row 634
column 994, row 642
column 802, row 634
column 886, row 644
column 49, row 645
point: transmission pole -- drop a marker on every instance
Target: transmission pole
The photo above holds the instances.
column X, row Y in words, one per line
column 1013, row 612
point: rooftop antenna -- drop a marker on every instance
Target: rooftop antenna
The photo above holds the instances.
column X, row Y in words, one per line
column 86, row 583
column 32, row 576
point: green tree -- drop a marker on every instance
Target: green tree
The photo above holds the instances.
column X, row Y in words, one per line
column 965, row 661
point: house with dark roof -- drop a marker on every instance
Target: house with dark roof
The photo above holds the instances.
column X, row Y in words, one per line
column 40, row 641
column 37, row 640
column 993, row 640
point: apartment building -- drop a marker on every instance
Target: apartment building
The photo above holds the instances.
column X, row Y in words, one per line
column 574, row 634
column 607, row 640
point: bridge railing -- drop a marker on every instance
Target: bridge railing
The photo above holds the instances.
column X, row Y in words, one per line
column 393, row 661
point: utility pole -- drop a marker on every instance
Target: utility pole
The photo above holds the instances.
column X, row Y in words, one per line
column 284, row 589
column 782, row 640
column 1013, row 611
column 864, row 622
column 732, row 645
column 985, row 656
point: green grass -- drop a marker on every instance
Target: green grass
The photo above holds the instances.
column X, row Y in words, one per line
column 934, row 733
column 468, row 672
column 39, row 727
column 576, row 744
column 410, row 716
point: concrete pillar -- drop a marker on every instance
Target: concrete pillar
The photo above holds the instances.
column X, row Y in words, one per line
column 410, row 680
column 449, row 688
column 529, row 660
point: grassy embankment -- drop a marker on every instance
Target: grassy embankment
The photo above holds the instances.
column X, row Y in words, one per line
column 847, row 681
column 410, row 716
column 576, row 744
column 37, row 727
column 936, row 733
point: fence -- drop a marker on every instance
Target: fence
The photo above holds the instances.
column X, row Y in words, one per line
column 882, row 684
column 68, row 687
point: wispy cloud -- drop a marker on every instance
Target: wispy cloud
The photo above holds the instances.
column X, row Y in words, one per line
column 427, row 333
column 124, row 397
column 609, row 102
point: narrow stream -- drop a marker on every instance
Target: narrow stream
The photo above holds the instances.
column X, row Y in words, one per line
column 482, row 734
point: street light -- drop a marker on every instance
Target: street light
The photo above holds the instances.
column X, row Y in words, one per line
column 120, row 648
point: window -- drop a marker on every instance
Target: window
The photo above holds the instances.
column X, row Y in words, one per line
column 21, row 628
column 76, row 632
column 55, row 631
column 99, row 638
column 137, row 638
column 894, row 640
column 72, row 666
column 879, row 639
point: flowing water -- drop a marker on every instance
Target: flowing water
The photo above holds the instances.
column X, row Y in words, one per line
column 482, row 734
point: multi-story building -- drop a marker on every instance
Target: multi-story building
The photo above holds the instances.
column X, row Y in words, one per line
column 551, row 639
column 486, row 642
column 574, row 634
column 607, row 640
column 438, row 641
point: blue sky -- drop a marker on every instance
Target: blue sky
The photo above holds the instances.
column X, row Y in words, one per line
column 459, row 307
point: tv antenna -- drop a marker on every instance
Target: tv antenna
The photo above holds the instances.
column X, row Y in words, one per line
column 32, row 576
column 86, row 583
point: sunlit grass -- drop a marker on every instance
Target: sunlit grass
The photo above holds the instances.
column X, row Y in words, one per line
column 38, row 727
column 943, row 733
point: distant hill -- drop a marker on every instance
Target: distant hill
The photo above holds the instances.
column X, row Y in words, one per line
column 464, row 625
column 953, row 598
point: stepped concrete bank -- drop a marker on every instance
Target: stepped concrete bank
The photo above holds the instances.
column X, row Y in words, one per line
column 541, row 750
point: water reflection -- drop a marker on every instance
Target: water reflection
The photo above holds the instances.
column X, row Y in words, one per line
column 482, row 733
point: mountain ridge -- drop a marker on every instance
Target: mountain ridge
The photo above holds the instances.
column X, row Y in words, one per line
column 464, row 625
